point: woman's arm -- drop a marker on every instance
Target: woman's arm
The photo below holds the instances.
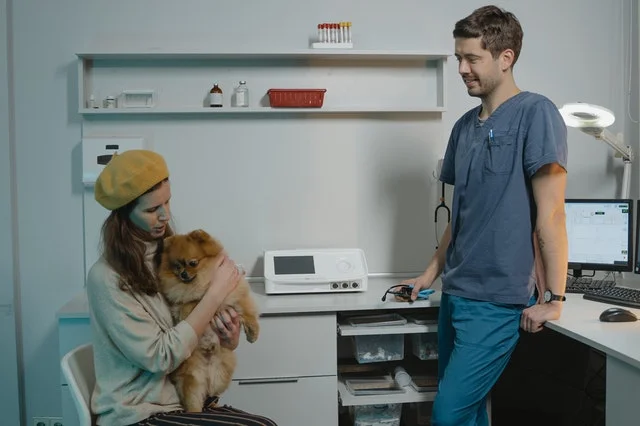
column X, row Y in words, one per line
column 224, row 280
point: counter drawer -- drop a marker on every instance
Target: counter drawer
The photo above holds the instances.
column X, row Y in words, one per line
column 290, row 346
column 308, row 401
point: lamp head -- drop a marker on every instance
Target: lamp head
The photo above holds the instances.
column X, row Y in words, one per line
column 587, row 116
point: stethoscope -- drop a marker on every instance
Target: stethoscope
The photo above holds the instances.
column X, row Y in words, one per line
column 442, row 205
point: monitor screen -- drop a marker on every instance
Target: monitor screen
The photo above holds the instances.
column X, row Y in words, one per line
column 637, row 246
column 283, row 265
column 600, row 234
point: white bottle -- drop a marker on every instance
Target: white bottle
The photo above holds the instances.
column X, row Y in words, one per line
column 401, row 377
column 110, row 102
column 241, row 95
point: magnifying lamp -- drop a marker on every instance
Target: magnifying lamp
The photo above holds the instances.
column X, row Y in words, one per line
column 593, row 120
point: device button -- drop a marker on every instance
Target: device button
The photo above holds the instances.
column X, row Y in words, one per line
column 344, row 266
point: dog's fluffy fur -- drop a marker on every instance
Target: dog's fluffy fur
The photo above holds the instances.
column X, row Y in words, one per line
column 184, row 273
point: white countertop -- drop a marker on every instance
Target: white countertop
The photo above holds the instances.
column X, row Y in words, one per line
column 580, row 321
column 580, row 317
column 301, row 303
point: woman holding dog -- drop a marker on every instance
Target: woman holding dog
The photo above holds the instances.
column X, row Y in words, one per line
column 136, row 345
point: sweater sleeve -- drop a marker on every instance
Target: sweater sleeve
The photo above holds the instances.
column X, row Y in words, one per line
column 132, row 324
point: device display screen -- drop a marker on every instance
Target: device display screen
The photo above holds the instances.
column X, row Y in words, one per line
column 285, row 265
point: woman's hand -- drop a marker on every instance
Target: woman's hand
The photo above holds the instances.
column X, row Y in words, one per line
column 226, row 324
column 224, row 277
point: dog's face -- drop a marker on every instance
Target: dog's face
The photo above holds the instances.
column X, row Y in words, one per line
column 185, row 256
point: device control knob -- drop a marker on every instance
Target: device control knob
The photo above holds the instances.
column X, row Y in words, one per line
column 334, row 285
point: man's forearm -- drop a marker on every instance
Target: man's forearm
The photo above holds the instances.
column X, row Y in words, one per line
column 551, row 235
column 435, row 267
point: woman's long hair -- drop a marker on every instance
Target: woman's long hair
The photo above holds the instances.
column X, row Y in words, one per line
column 123, row 246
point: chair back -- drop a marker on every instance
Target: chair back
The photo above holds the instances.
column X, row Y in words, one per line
column 78, row 370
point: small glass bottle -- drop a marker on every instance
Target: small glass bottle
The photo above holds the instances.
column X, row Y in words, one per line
column 241, row 95
column 110, row 102
column 215, row 96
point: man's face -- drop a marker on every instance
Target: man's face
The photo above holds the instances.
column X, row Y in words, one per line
column 479, row 71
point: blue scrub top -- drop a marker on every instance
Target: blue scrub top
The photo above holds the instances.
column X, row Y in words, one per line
column 490, row 164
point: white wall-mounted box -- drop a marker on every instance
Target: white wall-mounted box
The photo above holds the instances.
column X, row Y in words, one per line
column 96, row 153
column 137, row 99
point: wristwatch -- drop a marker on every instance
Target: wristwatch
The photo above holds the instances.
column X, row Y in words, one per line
column 550, row 297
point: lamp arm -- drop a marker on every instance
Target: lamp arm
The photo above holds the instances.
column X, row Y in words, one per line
column 615, row 143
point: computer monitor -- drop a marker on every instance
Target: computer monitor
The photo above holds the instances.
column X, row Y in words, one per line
column 600, row 234
column 637, row 245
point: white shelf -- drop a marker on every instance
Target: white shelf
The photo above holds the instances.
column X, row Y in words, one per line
column 409, row 328
column 293, row 54
column 348, row 399
column 348, row 75
column 254, row 110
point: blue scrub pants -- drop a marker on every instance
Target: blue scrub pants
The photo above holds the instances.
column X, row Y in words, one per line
column 475, row 341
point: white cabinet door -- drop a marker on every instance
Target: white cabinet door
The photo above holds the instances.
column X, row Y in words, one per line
column 290, row 346
column 308, row 401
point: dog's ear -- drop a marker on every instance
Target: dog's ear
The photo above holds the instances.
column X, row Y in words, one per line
column 167, row 242
column 199, row 235
column 209, row 244
column 212, row 247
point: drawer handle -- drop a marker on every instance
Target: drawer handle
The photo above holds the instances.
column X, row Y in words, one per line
column 268, row 381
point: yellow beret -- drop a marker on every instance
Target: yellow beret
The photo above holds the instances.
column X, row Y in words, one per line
column 129, row 175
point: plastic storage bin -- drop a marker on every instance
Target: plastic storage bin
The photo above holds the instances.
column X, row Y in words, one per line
column 379, row 348
column 417, row 413
column 425, row 345
column 296, row 98
column 377, row 415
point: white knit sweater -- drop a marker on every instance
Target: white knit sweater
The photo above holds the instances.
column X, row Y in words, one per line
column 135, row 347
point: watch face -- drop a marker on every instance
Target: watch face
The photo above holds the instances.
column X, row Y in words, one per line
column 547, row 296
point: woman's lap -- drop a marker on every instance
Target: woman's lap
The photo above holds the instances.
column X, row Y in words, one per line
column 222, row 416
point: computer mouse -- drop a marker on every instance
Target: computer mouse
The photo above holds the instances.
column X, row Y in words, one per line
column 617, row 315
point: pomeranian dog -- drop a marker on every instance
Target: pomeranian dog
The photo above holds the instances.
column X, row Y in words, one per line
column 184, row 273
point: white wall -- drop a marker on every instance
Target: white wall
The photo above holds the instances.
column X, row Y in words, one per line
column 9, row 400
column 561, row 58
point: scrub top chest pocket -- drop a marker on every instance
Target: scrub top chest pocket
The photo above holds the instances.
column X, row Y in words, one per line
column 499, row 152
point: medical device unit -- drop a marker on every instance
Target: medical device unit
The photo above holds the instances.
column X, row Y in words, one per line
column 315, row 271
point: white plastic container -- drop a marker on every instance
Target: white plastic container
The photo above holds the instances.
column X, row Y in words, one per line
column 425, row 345
column 381, row 348
column 377, row 415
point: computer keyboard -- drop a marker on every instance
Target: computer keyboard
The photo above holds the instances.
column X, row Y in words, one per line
column 587, row 284
column 622, row 296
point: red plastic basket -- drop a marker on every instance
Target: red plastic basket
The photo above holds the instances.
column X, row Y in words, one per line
column 296, row 98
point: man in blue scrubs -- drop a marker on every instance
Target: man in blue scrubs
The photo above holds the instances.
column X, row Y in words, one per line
column 506, row 159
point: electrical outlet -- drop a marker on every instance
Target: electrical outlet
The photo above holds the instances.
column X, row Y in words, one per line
column 96, row 153
column 47, row 421
column 41, row 421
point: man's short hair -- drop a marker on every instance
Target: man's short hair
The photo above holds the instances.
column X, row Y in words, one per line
column 498, row 29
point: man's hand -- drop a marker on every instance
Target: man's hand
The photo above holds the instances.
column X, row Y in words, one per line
column 418, row 283
column 226, row 324
column 534, row 317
